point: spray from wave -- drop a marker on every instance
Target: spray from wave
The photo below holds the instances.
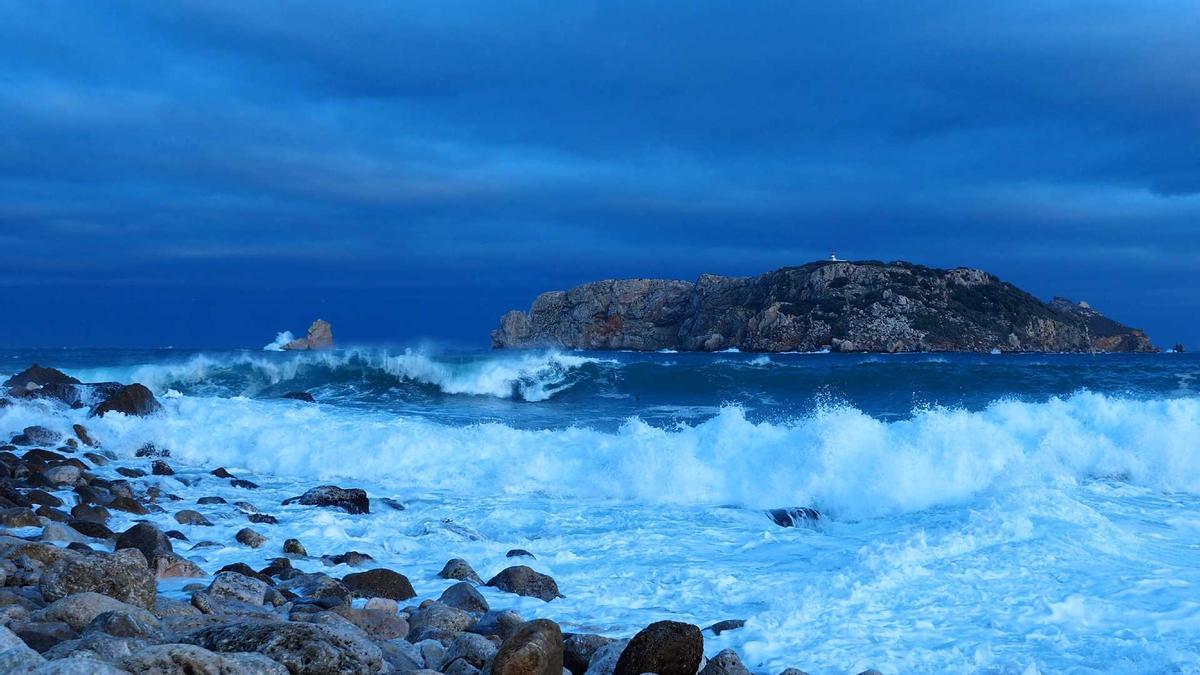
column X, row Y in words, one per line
column 281, row 339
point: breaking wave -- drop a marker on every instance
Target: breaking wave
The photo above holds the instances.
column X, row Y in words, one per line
column 839, row 459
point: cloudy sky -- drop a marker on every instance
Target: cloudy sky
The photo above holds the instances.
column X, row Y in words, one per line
column 207, row 173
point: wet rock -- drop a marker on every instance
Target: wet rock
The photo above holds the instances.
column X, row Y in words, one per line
column 55, row 515
column 664, row 647
column 321, row 587
column 300, row 396
column 147, row 539
column 60, row 532
column 124, row 575
column 501, row 624
column 870, row 671
column 250, row 538
column 39, row 375
column 381, row 583
column 19, row 517
column 523, row 580
column 39, row 435
column 536, row 648
column 519, row 553
column 90, row 528
column 42, row 497
column 351, row 500
column 84, row 437
column 128, row 506
column 134, row 399
column 457, row 568
column 464, row 596
column 64, row 474
column 96, row 458
column 211, row 500
column 161, row 468
column 351, row 558
column 436, row 621
column 294, row 547
column 578, row 649
column 129, row 472
column 96, row 514
column 799, row 516
column 246, row 571
column 81, row 609
column 393, row 504
column 236, row 586
column 185, row 659
column 221, row 472
column 244, row 484
column 246, row 507
column 729, row 624
column 472, row 648
column 190, row 517
column 263, row 519
column 174, row 566
column 726, row 662
column 300, row 647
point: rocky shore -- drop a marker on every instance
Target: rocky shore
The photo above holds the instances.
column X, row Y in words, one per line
column 98, row 574
column 836, row 305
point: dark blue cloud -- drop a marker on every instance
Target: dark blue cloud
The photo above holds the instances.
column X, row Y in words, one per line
column 414, row 169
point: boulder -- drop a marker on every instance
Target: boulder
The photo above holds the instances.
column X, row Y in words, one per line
column 234, row 586
column 352, row 500
column 39, row 435
column 124, row 575
column 160, row 468
column 664, row 647
column 379, row 583
column 604, row 661
column 500, row 624
column 578, row 649
column 148, row 539
column 436, row 621
column 64, row 474
column 36, row 374
column 797, row 516
column 84, row 437
column 301, row 647
column 300, row 396
column 80, row 609
column 177, row 659
column 464, row 596
column 321, row 587
column 729, row 624
column 457, row 568
column 294, row 547
column 726, row 662
column 379, row 624
column 191, row 517
column 536, row 648
column 523, row 580
column 126, row 624
column 250, row 538
column 134, row 399
column 19, row 517
column 473, row 648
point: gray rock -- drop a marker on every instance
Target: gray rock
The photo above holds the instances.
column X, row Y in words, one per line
column 457, row 568
column 63, row 533
column 729, row 624
column 81, row 609
column 78, row 665
column 459, row 667
column 402, row 655
column 318, row 586
column 377, row 624
column 604, row 661
column 473, row 648
column 42, row 436
column 123, row 575
column 432, row 653
column 501, row 624
column 726, row 662
column 536, row 648
column 578, row 649
column 64, row 474
column 126, row 624
column 250, row 538
column 848, row 306
column 192, row 517
column 436, row 621
column 174, row 659
column 523, row 580
column 300, row 647
column 234, row 586
column 464, row 596
column 19, row 517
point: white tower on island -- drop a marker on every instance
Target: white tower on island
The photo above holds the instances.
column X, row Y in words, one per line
column 833, row 258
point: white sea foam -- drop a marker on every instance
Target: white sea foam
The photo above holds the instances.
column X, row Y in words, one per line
column 840, row 460
column 281, row 339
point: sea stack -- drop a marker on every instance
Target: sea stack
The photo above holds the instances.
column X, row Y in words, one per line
column 320, row 336
column 835, row 305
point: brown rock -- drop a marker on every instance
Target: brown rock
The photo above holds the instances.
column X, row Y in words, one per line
column 523, row 580
column 320, row 336
column 134, row 399
column 535, row 649
column 664, row 647
column 379, row 583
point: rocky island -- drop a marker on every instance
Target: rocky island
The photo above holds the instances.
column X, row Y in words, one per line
column 836, row 305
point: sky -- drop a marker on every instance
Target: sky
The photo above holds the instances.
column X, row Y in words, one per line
column 205, row 174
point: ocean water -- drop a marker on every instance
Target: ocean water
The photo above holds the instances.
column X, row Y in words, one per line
column 980, row 513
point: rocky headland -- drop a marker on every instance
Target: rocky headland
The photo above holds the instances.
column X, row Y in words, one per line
column 95, row 546
column 864, row 306
column 319, row 337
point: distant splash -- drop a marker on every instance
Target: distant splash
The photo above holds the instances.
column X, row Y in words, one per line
column 281, row 339
column 840, row 460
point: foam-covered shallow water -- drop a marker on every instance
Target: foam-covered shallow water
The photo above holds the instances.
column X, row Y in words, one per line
column 982, row 513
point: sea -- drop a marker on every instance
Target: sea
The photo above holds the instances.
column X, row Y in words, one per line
column 991, row 513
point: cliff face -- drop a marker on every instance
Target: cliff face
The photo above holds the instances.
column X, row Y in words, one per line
column 844, row 306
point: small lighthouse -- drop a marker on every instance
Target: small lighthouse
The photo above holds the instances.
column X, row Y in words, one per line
column 833, row 258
